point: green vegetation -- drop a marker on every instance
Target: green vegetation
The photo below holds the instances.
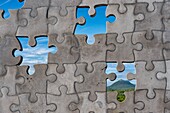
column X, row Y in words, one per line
column 121, row 87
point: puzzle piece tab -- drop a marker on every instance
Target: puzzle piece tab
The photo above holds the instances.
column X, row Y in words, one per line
column 67, row 78
column 35, row 83
column 62, row 101
column 124, row 22
column 36, row 26
column 94, row 81
column 25, row 106
column 100, row 105
column 123, row 51
column 7, row 100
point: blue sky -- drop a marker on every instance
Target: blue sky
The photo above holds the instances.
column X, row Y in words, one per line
column 94, row 25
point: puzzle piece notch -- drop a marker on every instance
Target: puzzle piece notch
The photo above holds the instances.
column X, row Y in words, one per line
column 6, row 100
column 155, row 105
column 64, row 4
column 9, row 26
column 124, row 22
column 97, row 50
column 123, row 51
column 40, row 106
column 5, row 6
column 34, row 5
column 67, row 79
column 32, row 29
column 69, row 56
column 152, row 21
column 92, row 5
column 35, row 83
column 151, row 6
column 10, row 80
column 153, row 47
column 100, row 105
column 149, row 77
column 122, row 4
column 127, row 106
column 94, row 81
column 63, row 100
column 69, row 22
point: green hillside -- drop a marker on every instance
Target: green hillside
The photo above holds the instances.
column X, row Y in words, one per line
column 121, row 85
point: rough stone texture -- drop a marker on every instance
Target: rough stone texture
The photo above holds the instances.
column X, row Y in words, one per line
column 74, row 79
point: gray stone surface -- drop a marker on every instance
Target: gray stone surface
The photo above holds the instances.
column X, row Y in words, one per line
column 74, row 79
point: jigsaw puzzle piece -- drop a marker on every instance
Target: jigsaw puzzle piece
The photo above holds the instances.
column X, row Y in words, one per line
column 67, row 79
column 123, row 51
column 63, row 100
column 166, row 9
column 35, row 83
column 7, row 100
column 5, row 5
column 153, row 48
column 155, row 105
column 69, row 22
column 7, row 45
column 10, row 80
column 36, row 26
column 94, row 81
column 100, row 105
column 127, row 106
column 25, row 106
column 124, row 22
column 92, row 4
column 64, row 4
column 97, row 50
column 122, row 4
column 152, row 21
column 166, row 32
column 165, row 75
column 9, row 26
column 34, row 5
column 151, row 4
column 67, row 52
column 151, row 82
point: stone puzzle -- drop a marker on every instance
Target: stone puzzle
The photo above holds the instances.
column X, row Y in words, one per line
column 74, row 79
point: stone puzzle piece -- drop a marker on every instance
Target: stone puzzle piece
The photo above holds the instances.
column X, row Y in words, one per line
column 25, row 106
column 124, row 22
column 34, row 5
column 63, row 4
column 166, row 76
column 5, row 5
column 127, row 106
column 166, row 9
column 152, row 21
column 166, row 32
column 10, row 80
column 153, row 48
column 147, row 79
column 67, row 52
column 94, row 81
column 37, row 54
column 67, row 78
column 9, row 26
column 7, row 45
column 62, row 101
column 155, row 105
column 123, row 51
column 92, row 4
column 100, row 105
column 97, row 50
column 151, row 5
column 65, row 24
column 36, row 26
column 7, row 100
column 122, row 4
column 35, row 83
